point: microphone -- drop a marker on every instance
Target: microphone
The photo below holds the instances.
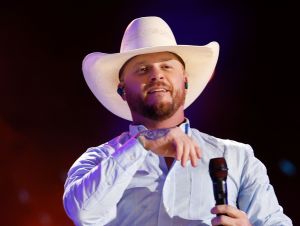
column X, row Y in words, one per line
column 218, row 173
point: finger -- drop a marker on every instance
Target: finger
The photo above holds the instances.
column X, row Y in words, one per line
column 229, row 210
column 179, row 150
column 193, row 156
column 185, row 155
column 222, row 220
column 197, row 149
column 198, row 152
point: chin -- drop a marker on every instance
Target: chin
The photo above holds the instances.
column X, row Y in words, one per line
column 158, row 101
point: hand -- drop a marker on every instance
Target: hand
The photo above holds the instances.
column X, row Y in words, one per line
column 172, row 142
column 232, row 216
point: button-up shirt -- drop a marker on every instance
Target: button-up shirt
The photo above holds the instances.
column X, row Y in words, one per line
column 119, row 183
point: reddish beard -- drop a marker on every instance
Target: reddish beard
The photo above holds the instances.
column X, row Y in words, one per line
column 157, row 111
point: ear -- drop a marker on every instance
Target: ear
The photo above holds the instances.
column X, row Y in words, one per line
column 186, row 83
column 121, row 90
column 185, row 76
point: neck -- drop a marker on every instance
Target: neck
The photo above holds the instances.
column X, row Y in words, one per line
column 174, row 120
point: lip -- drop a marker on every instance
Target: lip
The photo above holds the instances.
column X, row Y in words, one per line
column 157, row 89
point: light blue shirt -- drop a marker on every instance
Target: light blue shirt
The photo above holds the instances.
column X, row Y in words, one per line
column 120, row 183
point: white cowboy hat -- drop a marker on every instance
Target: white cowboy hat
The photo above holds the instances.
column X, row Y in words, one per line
column 146, row 35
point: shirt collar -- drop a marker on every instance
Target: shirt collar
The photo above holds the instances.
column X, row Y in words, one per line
column 185, row 126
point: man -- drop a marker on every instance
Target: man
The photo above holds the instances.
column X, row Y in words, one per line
column 133, row 179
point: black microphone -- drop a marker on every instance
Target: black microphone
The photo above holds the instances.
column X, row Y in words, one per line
column 218, row 173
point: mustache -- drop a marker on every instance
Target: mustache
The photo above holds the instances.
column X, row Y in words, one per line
column 158, row 84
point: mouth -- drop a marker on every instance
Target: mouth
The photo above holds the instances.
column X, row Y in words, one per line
column 157, row 90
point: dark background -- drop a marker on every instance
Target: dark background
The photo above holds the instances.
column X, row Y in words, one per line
column 48, row 116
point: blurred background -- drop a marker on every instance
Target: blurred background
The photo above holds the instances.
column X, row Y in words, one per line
column 49, row 117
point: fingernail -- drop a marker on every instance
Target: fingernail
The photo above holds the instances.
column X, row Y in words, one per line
column 213, row 210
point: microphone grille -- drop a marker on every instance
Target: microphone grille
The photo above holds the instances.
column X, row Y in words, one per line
column 218, row 169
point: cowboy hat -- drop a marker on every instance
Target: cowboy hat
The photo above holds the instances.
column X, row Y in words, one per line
column 146, row 35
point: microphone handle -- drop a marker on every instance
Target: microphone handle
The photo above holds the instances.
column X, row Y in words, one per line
column 220, row 192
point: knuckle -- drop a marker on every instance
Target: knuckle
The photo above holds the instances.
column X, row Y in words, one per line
column 243, row 213
column 221, row 218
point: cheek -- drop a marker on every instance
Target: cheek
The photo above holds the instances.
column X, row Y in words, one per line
column 133, row 87
column 178, row 84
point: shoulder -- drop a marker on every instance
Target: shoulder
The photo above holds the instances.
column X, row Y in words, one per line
column 226, row 147
column 95, row 154
column 108, row 148
column 243, row 166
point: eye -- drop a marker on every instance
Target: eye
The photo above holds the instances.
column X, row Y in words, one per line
column 166, row 66
column 142, row 69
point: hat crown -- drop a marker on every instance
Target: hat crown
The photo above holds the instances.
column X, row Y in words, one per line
column 147, row 32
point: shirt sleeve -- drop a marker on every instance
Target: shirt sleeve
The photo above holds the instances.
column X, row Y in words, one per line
column 257, row 197
column 98, row 179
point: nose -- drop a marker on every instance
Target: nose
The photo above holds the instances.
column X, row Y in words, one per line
column 156, row 74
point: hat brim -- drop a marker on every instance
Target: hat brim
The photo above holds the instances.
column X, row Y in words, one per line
column 101, row 72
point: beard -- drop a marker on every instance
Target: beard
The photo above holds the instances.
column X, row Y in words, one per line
column 158, row 111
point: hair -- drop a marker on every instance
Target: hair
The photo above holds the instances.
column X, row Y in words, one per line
column 124, row 65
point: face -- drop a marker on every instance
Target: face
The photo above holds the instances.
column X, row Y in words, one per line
column 154, row 85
